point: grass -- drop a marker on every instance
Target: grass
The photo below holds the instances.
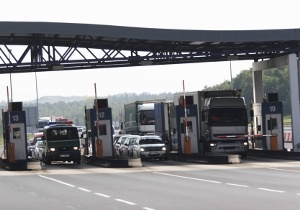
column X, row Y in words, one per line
column 287, row 120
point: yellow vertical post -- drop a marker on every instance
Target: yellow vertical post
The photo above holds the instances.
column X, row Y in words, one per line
column 99, row 148
column 11, row 152
column 187, row 145
column 273, row 143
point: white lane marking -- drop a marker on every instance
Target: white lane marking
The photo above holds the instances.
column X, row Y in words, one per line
column 270, row 190
column 55, row 180
column 278, row 169
column 146, row 208
column 127, row 202
column 106, row 196
column 185, row 177
column 83, row 189
column 237, row 185
column 298, row 193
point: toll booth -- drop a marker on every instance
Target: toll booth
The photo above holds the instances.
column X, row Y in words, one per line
column 185, row 145
column 268, row 121
column 100, row 142
column 15, row 137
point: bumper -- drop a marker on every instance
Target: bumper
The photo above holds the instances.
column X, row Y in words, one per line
column 153, row 154
column 63, row 156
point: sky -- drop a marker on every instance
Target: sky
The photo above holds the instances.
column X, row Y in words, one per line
column 167, row 14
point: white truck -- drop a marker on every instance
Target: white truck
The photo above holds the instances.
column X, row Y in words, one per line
column 222, row 120
column 139, row 117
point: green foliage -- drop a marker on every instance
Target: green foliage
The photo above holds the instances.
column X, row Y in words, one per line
column 287, row 120
column 75, row 110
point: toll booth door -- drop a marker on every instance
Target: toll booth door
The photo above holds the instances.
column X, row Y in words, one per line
column 18, row 138
column 274, row 127
column 105, row 134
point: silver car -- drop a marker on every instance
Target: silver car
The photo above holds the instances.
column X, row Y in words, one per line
column 118, row 146
column 130, row 140
column 36, row 151
column 148, row 147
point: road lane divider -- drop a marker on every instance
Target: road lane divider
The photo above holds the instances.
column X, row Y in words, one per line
column 55, row 180
column 127, row 202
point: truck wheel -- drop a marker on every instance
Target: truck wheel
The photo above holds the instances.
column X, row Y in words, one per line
column 46, row 160
column 244, row 155
column 205, row 149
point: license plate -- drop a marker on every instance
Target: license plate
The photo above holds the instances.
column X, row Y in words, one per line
column 64, row 155
column 153, row 153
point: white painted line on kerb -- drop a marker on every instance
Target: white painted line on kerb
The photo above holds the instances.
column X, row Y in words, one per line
column 55, row 180
column 278, row 169
column 237, row 185
column 127, row 202
column 185, row 177
column 85, row 190
column 270, row 190
column 146, row 208
column 106, row 196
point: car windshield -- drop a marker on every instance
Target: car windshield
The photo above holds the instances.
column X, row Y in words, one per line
column 150, row 141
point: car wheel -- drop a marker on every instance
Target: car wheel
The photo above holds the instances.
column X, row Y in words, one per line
column 77, row 162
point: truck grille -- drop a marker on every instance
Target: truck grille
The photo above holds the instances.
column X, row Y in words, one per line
column 61, row 149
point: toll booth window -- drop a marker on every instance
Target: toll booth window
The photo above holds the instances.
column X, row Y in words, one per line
column 189, row 126
column 102, row 130
column 272, row 124
column 16, row 133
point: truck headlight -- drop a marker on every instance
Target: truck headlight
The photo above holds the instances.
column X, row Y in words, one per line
column 213, row 144
column 163, row 148
column 75, row 148
column 244, row 143
column 52, row 149
column 142, row 149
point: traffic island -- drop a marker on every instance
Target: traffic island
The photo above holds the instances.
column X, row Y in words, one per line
column 34, row 165
column 222, row 158
column 209, row 158
column 13, row 166
column 107, row 162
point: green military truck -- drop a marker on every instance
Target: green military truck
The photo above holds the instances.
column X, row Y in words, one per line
column 61, row 143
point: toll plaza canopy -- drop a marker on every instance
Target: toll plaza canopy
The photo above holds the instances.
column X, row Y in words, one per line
column 48, row 46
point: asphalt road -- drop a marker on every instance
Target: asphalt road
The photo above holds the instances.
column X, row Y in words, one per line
column 253, row 184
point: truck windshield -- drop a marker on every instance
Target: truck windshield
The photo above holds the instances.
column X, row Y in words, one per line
column 226, row 116
column 42, row 124
column 62, row 134
column 147, row 117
